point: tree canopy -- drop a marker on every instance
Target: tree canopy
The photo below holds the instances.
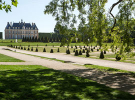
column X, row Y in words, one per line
column 94, row 23
column 7, row 7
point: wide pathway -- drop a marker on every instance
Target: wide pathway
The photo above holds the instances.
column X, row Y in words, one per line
column 119, row 80
column 82, row 61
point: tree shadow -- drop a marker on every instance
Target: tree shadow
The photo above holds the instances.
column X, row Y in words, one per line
column 120, row 81
column 44, row 84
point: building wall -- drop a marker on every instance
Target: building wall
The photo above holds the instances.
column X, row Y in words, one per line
column 20, row 33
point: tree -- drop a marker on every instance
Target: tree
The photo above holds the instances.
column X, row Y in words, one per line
column 94, row 24
column 7, row 7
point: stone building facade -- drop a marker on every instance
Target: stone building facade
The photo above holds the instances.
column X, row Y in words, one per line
column 20, row 30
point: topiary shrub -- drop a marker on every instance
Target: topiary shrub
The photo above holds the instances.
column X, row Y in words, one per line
column 80, row 52
column 44, row 50
column 24, row 48
column 83, row 51
column 71, row 46
column 28, row 49
column 46, row 45
column 118, row 56
column 85, row 48
column 36, row 50
column 101, row 55
column 87, row 53
column 31, row 48
column 91, row 49
column 68, row 51
column 97, row 49
column 76, row 53
column 58, row 50
column 76, row 47
column 51, row 51
column 104, row 52
column 16, row 47
column 74, row 50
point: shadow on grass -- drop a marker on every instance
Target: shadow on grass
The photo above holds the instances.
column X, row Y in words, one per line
column 43, row 84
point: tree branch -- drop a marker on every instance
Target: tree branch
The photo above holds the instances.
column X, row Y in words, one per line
column 112, row 14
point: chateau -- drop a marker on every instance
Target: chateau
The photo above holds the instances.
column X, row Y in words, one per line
column 20, row 30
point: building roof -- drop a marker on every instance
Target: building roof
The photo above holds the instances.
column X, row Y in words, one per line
column 21, row 25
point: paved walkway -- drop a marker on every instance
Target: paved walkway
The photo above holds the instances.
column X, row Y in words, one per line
column 119, row 81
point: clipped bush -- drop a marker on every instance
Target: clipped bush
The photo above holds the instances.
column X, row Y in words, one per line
column 84, row 46
column 36, row 50
column 44, row 50
column 104, row 52
column 16, row 47
column 87, row 53
column 83, row 51
column 80, row 52
column 28, row 49
column 101, row 55
column 97, row 49
column 58, row 50
column 74, row 50
column 24, row 48
column 91, row 49
column 31, row 48
column 76, row 53
column 71, row 46
column 51, row 51
column 118, row 56
column 68, row 51
column 46, row 45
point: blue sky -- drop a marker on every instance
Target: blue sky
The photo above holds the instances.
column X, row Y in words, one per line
column 33, row 11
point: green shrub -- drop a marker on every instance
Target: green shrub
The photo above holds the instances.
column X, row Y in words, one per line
column 76, row 53
column 104, row 52
column 97, row 49
column 58, row 50
column 91, row 49
column 74, row 50
column 101, row 55
column 16, row 47
column 83, row 51
column 68, row 51
column 24, row 48
column 28, row 49
column 80, row 52
column 118, row 56
column 44, row 50
column 36, row 50
column 51, row 51
column 31, row 48
column 87, row 53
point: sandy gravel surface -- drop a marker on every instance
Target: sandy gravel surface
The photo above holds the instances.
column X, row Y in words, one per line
column 119, row 80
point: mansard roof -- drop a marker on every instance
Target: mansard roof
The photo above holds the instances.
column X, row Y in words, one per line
column 21, row 25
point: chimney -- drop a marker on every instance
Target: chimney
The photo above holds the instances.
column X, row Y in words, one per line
column 11, row 23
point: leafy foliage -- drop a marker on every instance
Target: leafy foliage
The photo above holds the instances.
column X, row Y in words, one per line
column 7, row 7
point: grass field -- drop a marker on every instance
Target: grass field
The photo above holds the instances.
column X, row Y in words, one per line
column 4, row 58
column 40, row 83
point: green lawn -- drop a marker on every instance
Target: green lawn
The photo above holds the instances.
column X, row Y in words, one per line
column 40, row 83
column 4, row 58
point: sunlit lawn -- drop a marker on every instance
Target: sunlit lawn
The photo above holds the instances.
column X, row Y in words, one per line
column 5, row 58
column 40, row 83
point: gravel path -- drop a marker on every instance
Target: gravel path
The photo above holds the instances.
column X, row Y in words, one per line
column 119, row 80
column 82, row 61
